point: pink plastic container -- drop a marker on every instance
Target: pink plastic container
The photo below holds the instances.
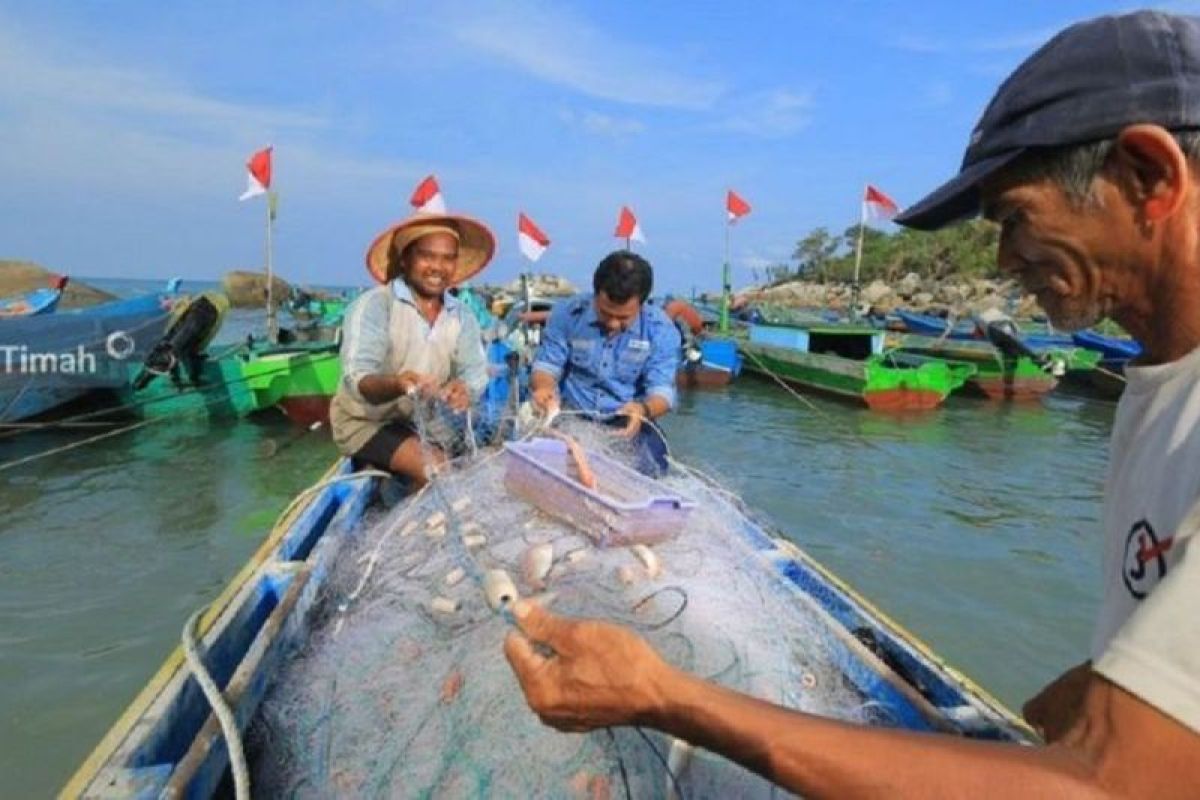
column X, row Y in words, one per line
column 626, row 507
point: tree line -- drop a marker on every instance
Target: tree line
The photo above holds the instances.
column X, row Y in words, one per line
column 959, row 251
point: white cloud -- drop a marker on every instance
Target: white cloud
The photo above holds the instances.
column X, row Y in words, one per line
column 937, row 93
column 771, row 114
column 75, row 120
column 37, row 78
column 555, row 46
column 1022, row 40
column 594, row 122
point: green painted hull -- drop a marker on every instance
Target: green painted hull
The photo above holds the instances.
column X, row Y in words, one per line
column 300, row 380
column 996, row 376
column 875, row 382
column 242, row 383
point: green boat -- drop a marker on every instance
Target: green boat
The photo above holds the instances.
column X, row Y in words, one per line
column 849, row 361
column 299, row 379
column 184, row 375
column 998, row 376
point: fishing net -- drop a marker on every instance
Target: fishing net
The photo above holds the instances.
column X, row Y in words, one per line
column 402, row 688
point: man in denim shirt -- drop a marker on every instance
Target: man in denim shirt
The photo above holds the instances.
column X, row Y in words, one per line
column 611, row 354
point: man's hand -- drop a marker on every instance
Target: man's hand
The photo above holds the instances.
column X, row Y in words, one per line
column 545, row 398
column 408, row 382
column 635, row 413
column 597, row 675
column 457, row 396
column 1053, row 710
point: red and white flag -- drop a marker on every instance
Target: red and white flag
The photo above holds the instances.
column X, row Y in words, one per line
column 879, row 205
column 530, row 238
column 736, row 206
column 259, row 180
column 628, row 227
column 427, row 197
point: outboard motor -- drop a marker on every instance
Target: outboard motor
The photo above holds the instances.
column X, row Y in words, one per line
column 196, row 322
column 1004, row 334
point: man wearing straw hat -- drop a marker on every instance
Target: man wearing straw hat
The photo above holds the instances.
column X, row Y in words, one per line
column 409, row 339
column 1088, row 157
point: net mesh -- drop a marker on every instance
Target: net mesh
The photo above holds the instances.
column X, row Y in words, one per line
column 402, row 688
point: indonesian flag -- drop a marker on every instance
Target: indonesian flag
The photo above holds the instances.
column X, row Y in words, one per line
column 628, row 227
column 879, row 205
column 530, row 238
column 736, row 206
column 259, row 179
column 427, row 197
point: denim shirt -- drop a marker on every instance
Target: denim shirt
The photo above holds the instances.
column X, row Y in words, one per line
column 367, row 338
column 601, row 373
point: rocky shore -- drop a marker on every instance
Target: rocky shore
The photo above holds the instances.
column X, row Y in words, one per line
column 18, row 277
column 960, row 297
column 247, row 289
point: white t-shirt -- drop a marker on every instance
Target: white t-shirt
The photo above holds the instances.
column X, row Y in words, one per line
column 1147, row 636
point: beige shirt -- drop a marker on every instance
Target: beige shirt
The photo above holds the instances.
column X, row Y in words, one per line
column 384, row 333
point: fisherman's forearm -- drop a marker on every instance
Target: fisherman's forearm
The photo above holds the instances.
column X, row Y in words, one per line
column 817, row 757
column 381, row 388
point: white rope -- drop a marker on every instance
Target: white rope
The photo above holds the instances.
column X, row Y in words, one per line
column 233, row 739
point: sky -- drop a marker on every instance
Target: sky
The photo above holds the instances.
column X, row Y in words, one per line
column 125, row 126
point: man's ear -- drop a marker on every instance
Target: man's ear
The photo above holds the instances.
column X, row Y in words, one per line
column 1156, row 171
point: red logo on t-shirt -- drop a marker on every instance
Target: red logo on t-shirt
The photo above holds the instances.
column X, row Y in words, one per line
column 1145, row 559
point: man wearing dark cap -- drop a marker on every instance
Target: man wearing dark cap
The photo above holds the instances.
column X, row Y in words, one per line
column 1088, row 157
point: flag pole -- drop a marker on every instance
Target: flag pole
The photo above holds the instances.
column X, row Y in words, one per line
column 628, row 243
column 854, row 290
column 272, row 322
column 726, row 281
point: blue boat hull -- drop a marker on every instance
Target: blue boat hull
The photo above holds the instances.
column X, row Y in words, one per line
column 30, row 304
column 720, row 362
column 1115, row 350
column 49, row 360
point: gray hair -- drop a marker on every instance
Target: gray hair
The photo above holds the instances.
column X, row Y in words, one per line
column 1074, row 167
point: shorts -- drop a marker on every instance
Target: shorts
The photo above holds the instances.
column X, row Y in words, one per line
column 383, row 444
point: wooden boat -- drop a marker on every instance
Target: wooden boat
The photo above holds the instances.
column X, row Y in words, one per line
column 51, row 359
column 1114, row 349
column 849, row 361
column 35, row 301
column 298, row 379
column 997, row 376
column 167, row 743
column 964, row 330
column 714, row 363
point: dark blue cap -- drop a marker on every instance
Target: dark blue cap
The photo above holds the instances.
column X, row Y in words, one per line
column 1087, row 83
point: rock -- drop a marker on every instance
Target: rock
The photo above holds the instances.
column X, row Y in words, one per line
column 1028, row 307
column 921, row 300
column 249, row 289
column 542, row 285
column 888, row 304
column 909, row 284
column 17, row 277
column 876, row 291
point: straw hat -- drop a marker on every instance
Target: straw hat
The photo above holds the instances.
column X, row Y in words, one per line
column 476, row 244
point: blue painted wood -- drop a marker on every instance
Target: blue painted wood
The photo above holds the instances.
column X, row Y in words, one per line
column 1113, row 348
column 86, row 335
column 721, row 353
column 791, row 338
column 29, row 304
